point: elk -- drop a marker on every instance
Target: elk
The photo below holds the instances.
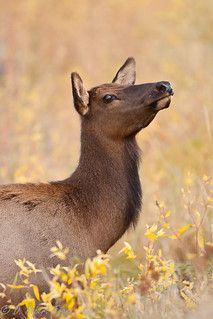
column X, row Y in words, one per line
column 92, row 208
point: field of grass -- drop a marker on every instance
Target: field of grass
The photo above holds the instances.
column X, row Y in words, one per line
column 165, row 268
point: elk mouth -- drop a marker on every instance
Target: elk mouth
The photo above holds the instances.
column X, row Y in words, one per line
column 162, row 103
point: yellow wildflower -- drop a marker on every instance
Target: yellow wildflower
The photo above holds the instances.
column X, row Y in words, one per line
column 128, row 251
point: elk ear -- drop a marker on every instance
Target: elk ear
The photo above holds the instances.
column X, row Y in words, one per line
column 80, row 94
column 126, row 75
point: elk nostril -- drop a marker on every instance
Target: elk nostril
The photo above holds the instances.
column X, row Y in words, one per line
column 164, row 86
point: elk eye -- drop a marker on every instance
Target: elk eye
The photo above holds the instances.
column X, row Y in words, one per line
column 109, row 98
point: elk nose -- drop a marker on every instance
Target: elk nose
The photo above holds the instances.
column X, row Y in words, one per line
column 164, row 86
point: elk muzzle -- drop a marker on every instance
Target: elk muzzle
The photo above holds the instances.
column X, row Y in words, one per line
column 164, row 99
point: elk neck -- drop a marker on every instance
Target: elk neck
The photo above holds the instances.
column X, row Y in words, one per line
column 108, row 186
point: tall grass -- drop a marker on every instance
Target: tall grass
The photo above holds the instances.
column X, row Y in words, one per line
column 40, row 43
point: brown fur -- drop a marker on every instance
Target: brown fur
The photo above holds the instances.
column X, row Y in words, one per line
column 92, row 208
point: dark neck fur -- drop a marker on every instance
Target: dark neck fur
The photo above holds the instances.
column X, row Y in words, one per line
column 108, row 178
column 134, row 196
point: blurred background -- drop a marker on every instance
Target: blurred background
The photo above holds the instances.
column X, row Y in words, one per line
column 41, row 42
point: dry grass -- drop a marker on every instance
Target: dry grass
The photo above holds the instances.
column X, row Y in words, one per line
column 40, row 43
